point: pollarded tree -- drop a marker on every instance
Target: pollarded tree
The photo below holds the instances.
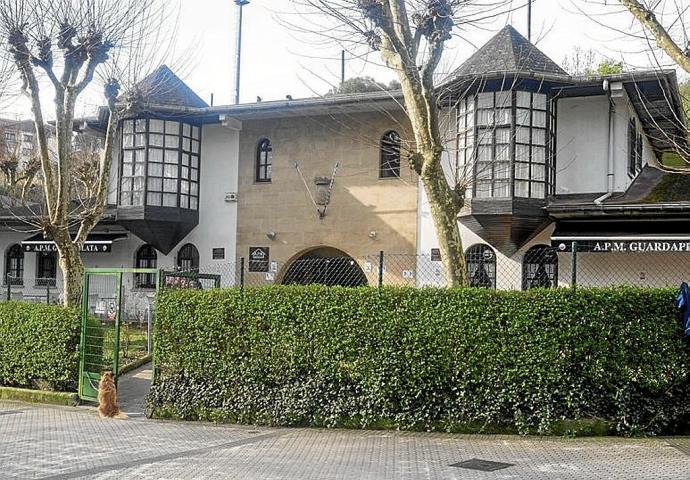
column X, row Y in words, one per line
column 65, row 47
column 411, row 36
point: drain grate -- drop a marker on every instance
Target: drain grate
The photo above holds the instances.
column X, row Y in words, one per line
column 482, row 465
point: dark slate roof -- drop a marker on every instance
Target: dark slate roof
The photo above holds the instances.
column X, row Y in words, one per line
column 165, row 88
column 508, row 51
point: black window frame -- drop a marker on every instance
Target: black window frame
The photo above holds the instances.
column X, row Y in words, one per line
column 183, row 157
column 188, row 253
column 632, row 147
column 46, row 269
column 263, row 171
column 538, row 261
column 389, row 155
column 480, row 260
column 145, row 257
column 14, row 275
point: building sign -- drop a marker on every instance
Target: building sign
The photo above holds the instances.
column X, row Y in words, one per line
column 51, row 247
column 258, row 259
column 626, row 246
column 218, row 254
column 435, row 254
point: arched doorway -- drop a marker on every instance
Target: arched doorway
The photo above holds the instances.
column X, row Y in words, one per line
column 325, row 266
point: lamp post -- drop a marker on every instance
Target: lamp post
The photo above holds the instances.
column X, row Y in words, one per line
column 529, row 20
column 238, row 48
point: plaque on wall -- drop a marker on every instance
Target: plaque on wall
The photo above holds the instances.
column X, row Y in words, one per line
column 435, row 254
column 258, row 259
column 219, row 254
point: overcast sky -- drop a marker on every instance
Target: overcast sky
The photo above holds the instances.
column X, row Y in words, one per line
column 277, row 60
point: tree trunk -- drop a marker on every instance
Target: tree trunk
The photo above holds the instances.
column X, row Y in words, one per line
column 72, row 269
column 444, row 212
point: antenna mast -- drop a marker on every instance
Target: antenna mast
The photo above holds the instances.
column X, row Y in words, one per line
column 238, row 48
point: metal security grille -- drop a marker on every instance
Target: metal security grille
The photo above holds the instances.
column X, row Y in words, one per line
column 481, row 266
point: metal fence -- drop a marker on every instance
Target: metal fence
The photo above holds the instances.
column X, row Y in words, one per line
column 32, row 289
column 538, row 267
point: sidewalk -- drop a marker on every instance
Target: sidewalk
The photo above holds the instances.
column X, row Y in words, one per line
column 65, row 443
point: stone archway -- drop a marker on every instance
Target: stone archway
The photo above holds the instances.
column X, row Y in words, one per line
column 326, row 266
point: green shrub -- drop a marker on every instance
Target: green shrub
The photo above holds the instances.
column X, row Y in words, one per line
column 447, row 360
column 39, row 346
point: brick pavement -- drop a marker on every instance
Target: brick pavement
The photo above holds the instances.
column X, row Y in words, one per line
column 64, row 443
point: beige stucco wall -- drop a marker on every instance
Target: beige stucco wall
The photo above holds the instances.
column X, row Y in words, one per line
column 361, row 202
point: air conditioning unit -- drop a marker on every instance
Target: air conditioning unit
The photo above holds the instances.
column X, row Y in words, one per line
column 231, row 197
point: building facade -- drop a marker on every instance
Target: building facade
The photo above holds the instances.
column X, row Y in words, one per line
column 311, row 190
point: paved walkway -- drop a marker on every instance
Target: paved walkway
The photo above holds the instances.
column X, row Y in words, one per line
column 132, row 389
column 67, row 443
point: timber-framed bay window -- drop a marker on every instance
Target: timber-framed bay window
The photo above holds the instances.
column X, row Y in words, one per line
column 160, row 164
column 505, row 144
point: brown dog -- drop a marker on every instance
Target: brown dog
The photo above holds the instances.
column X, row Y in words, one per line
column 107, row 397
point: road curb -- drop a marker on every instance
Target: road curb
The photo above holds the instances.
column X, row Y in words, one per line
column 39, row 396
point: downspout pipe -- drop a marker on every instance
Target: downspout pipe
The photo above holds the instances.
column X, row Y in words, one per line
column 610, row 176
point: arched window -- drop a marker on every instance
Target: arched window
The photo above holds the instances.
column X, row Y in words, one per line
column 481, row 266
column 264, row 160
column 188, row 258
column 46, row 269
column 389, row 165
column 146, row 257
column 14, row 265
column 540, row 268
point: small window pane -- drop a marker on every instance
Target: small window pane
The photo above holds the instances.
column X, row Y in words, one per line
column 522, row 135
column 539, row 101
column 186, row 144
column 195, row 174
column 523, row 99
column 185, row 159
column 155, row 155
column 538, row 154
column 484, row 171
column 195, row 161
column 522, row 153
column 128, row 126
column 126, row 184
column 155, row 170
column 172, row 141
column 501, row 170
column 128, row 156
column 196, row 131
column 503, row 116
column 170, row 200
column 184, row 186
column 539, row 118
column 171, row 171
column 171, row 156
column 140, row 125
column 485, row 100
column 156, row 126
column 184, row 172
column 485, row 154
column 486, row 137
column 184, row 201
column 485, row 117
column 193, row 203
column 538, row 190
column 139, row 169
column 195, row 146
column 194, row 188
column 138, row 184
column 156, row 140
column 137, row 198
column 172, row 127
column 186, row 129
column 522, row 117
column 522, row 189
column 502, row 153
column 128, row 141
column 538, row 136
column 501, row 189
column 141, row 140
column 127, row 169
column 154, row 199
column 522, row 171
column 170, row 185
column 538, row 172
column 155, row 184
column 504, row 99
column 126, row 198
column 483, row 189
column 503, row 135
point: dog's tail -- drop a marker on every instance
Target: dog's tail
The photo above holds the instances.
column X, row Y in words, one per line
column 121, row 416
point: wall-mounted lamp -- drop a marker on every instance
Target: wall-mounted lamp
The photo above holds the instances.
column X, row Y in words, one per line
column 271, row 235
column 372, row 234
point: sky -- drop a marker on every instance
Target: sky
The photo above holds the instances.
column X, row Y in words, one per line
column 278, row 60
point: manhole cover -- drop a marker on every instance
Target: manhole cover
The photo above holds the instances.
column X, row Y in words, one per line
column 482, row 465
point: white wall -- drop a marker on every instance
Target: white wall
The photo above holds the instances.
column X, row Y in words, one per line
column 582, row 144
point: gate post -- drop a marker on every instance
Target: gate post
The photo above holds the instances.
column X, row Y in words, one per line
column 242, row 274
column 8, row 280
column 573, row 265
column 381, row 268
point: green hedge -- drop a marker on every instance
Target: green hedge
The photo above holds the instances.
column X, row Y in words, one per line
column 447, row 360
column 39, row 346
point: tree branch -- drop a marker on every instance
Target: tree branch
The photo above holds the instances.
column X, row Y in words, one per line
column 648, row 20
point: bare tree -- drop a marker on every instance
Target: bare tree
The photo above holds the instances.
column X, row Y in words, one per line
column 410, row 36
column 66, row 47
column 649, row 14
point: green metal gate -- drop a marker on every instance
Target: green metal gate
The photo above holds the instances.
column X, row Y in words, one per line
column 116, row 328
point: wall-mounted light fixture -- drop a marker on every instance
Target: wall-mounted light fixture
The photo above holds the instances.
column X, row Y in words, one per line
column 372, row 234
column 271, row 235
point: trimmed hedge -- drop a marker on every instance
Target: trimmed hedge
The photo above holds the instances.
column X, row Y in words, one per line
column 447, row 360
column 39, row 346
